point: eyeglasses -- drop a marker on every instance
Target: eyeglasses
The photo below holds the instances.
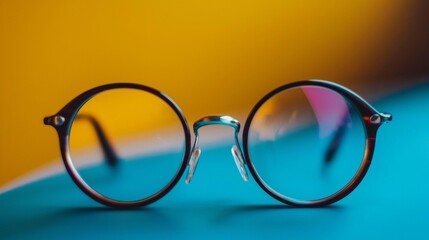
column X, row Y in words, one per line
column 307, row 143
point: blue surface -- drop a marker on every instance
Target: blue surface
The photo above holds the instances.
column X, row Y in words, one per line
column 391, row 202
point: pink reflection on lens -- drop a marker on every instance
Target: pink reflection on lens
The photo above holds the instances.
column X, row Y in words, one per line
column 329, row 107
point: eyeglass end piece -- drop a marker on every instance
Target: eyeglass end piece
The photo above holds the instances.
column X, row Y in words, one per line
column 379, row 118
column 386, row 117
column 54, row 121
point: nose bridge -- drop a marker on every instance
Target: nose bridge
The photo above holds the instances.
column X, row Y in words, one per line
column 217, row 120
column 235, row 150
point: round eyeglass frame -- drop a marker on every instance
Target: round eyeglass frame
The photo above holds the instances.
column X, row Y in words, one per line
column 371, row 118
column 63, row 120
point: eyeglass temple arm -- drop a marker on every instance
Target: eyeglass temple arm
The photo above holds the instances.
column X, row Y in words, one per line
column 109, row 153
column 334, row 145
column 336, row 140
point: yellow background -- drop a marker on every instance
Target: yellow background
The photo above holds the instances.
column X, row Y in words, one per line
column 209, row 56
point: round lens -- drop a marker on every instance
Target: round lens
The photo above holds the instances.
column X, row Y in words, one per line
column 127, row 144
column 306, row 143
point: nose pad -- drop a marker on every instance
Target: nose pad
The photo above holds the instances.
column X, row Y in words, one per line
column 193, row 161
column 236, row 154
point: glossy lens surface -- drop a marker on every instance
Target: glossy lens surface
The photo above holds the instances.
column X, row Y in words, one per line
column 306, row 143
column 127, row 144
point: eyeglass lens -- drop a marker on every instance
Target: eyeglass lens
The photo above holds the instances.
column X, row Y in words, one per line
column 127, row 144
column 306, row 143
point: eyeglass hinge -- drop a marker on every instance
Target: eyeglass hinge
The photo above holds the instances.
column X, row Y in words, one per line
column 379, row 118
column 54, row 121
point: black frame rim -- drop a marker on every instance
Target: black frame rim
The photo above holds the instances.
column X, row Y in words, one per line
column 365, row 110
column 69, row 113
